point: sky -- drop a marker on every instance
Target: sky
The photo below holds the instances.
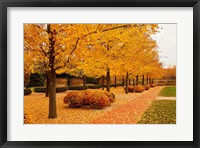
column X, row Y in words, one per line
column 166, row 41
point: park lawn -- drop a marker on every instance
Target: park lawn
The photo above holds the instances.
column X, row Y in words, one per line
column 169, row 91
column 160, row 112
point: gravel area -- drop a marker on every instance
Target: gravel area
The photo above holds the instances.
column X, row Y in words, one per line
column 127, row 109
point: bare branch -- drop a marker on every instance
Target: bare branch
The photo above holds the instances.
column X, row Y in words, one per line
column 45, row 53
column 76, row 44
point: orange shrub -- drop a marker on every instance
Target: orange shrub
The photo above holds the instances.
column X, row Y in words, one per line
column 110, row 96
column 152, row 85
column 94, row 99
column 130, row 88
column 86, row 97
column 66, row 98
column 74, row 99
column 139, row 88
column 147, row 87
column 99, row 100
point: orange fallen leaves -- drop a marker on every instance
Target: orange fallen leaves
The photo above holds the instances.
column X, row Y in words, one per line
column 126, row 109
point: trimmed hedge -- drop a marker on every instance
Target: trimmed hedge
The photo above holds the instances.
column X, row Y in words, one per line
column 61, row 89
column 43, row 89
column 39, row 89
column 77, row 87
column 94, row 86
column 27, row 91
column 113, row 85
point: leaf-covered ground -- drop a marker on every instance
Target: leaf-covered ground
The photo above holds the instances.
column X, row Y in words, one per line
column 160, row 112
column 127, row 109
column 130, row 112
column 169, row 91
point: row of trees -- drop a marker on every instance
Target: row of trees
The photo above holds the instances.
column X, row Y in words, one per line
column 92, row 50
column 170, row 72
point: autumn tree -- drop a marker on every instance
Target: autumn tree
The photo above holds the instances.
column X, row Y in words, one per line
column 58, row 46
column 139, row 60
column 117, row 51
column 27, row 68
column 93, row 50
column 170, row 72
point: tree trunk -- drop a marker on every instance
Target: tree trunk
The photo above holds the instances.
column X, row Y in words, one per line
column 84, row 81
column 47, row 86
column 133, row 82
column 129, row 81
column 123, row 82
column 108, row 80
column 103, row 81
column 152, row 81
column 68, row 81
column 52, row 75
column 142, row 79
column 126, row 83
column 115, row 81
column 137, row 80
column 52, row 97
column 147, row 80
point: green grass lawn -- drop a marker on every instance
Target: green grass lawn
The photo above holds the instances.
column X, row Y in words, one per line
column 160, row 112
column 169, row 91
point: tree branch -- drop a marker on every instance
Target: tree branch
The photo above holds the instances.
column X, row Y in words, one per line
column 90, row 33
column 76, row 44
column 117, row 27
column 40, row 45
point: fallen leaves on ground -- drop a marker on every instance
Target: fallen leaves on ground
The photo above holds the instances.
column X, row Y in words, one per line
column 127, row 108
column 160, row 112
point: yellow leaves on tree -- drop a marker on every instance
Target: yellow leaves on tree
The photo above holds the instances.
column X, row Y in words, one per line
column 88, row 50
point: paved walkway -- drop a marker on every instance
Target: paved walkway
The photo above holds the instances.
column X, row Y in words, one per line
column 130, row 112
column 165, row 98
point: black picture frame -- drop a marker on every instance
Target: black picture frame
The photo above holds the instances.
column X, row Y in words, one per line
column 4, row 4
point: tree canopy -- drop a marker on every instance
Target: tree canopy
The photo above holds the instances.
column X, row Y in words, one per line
column 92, row 50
